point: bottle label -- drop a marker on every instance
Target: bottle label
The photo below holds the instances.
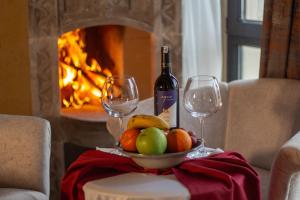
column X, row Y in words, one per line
column 166, row 106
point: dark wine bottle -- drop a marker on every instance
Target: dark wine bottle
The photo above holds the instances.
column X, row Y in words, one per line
column 166, row 91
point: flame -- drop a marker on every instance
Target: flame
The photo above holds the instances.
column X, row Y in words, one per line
column 80, row 83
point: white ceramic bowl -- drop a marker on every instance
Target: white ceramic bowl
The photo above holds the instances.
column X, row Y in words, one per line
column 162, row 161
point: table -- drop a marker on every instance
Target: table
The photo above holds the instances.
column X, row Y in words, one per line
column 136, row 186
column 97, row 175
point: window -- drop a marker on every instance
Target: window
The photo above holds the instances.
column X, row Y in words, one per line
column 244, row 25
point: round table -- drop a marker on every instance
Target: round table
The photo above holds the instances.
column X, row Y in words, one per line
column 135, row 186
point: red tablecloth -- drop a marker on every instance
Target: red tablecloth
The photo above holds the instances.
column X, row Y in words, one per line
column 224, row 176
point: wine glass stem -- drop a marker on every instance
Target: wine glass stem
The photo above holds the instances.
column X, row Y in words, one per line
column 121, row 125
column 201, row 120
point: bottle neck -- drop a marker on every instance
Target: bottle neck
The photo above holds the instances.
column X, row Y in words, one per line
column 166, row 69
column 165, row 60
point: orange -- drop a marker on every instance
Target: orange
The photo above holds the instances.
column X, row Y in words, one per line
column 178, row 140
column 128, row 139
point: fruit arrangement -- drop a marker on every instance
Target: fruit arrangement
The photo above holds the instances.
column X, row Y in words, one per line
column 151, row 135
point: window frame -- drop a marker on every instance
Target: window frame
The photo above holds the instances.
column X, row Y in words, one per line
column 239, row 32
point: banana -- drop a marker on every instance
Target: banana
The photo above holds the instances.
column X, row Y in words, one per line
column 145, row 121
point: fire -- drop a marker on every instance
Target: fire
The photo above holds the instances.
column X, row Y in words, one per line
column 80, row 80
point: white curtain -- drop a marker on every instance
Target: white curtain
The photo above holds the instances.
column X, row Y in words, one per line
column 202, row 38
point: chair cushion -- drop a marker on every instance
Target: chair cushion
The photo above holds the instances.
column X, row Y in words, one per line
column 20, row 194
column 262, row 115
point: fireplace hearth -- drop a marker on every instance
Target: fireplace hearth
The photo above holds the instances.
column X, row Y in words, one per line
column 159, row 21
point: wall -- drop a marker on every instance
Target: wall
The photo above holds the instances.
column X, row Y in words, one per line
column 15, row 94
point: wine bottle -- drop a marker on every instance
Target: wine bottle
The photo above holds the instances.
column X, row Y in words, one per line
column 166, row 91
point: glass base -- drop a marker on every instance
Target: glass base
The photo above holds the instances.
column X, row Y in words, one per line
column 203, row 152
column 200, row 153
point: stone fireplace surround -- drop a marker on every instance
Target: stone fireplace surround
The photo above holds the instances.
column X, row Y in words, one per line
column 50, row 18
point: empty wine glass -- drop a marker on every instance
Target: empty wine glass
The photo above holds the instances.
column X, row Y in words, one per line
column 119, row 98
column 202, row 99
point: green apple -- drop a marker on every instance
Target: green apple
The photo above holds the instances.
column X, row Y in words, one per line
column 151, row 141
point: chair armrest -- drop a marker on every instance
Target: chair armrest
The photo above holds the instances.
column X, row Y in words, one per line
column 285, row 174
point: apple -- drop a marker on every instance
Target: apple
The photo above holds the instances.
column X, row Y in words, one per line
column 151, row 141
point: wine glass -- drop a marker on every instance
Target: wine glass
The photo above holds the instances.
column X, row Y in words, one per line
column 119, row 98
column 202, row 99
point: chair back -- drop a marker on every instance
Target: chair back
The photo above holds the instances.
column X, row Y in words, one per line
column 262, row 115
column 24, row 153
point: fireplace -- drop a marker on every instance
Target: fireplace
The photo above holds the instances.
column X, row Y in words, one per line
column 86, row 57
column 144, row 25
column 81, row 77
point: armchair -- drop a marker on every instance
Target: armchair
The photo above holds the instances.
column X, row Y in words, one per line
column 24, row 158
column 259, row 119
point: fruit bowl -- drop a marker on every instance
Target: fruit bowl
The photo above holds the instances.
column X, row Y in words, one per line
column 162, row 161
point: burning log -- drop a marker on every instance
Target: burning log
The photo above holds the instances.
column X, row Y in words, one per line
column 80, row 82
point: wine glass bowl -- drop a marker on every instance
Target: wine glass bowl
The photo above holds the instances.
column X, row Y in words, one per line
column 202, row 99
column 119, row 98
column 201, row 102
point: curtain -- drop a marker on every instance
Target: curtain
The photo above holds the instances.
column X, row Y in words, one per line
column 280, row 41
column 202, row 38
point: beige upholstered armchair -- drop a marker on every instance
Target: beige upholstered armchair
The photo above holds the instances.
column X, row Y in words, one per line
column 24, row 158
column 261, row 120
